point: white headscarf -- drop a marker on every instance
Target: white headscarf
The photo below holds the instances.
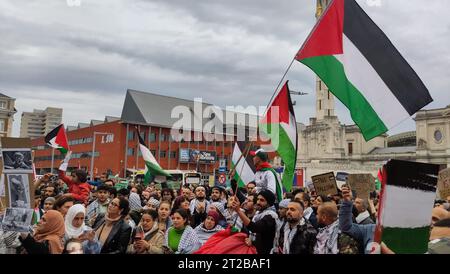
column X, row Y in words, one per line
column 71, row 231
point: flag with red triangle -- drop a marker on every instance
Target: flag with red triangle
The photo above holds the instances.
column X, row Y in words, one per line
column 57, row 138
column 280, row 125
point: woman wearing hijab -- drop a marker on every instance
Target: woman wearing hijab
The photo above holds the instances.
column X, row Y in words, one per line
column 78, row 231
column 147, row 238
column 111, row 229
column 209, row 227
column 48, row 236
column 220, row 210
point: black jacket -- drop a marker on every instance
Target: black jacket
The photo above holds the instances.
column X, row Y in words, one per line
column 198, row 218
column 304, row 239
column 34, row 247
column 265, row 233
column 119, row 237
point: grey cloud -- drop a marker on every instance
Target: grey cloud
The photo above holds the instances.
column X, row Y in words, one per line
column 227, row 52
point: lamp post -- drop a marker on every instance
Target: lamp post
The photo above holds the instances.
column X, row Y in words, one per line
column 93, row 151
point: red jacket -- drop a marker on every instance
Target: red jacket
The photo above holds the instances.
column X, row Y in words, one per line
column 79, row 191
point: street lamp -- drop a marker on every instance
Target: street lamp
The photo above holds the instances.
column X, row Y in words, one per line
column 93, row 151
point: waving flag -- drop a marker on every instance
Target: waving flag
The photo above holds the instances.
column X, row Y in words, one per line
column 406, row 204
column 362, row 68
column 245, row 169
column 280, row 125
column 152, row 168
column 57, row 138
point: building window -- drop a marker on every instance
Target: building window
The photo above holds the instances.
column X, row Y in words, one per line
column 162, row 137
column 152, row 137
column 320, row 85
column 328, row 95
column 320, row 104
column 139, row 152
column 2, row 125
column 329, row 113
column 130, row 135
column 162, row 154
column 153, row 152
column 2, row 104
column 350, row 148
column 142, row 134
column 173, row 154
column 130, row 152
column 438, row 135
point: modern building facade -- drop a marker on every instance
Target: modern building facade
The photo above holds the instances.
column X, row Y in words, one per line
column 40, row 122
column 117, row 147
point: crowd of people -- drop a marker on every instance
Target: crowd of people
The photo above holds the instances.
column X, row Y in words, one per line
column 75, row 216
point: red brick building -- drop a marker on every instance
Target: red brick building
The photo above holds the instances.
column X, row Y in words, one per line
column 116, row 142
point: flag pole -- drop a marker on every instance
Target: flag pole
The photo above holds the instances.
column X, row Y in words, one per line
column 240, row 157
column 281, row 81
column 242, row 168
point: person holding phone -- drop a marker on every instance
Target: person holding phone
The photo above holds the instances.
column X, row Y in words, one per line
column 76, row 229
column 147, row 238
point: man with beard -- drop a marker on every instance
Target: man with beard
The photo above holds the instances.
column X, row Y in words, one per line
column 198, row 206
column 296, row 235
column 216, row 195
column 282, row 210
column 250, row 205
column 264, row 223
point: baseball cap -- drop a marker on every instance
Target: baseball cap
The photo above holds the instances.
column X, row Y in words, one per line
column 261, row 154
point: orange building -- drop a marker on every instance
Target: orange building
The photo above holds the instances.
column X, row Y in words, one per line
column 115, row 141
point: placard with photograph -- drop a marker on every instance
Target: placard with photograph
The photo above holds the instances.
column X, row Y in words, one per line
column 17, row 219
column 19, row 190
column 17, row 160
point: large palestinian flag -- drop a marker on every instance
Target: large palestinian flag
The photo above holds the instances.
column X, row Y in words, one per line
column 57, row 138
column 152, row 168
column 280, row 125
column 407, row 200
column 363, row 69
column 245, row 170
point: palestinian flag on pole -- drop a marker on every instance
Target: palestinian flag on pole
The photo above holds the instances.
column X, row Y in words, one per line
column 151, row 165
column 57, row 138
column 406, row 203
column 363, row 69
column 280, row 125
column 245, row 169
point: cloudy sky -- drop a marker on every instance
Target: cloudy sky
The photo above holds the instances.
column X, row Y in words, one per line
column 228, row 52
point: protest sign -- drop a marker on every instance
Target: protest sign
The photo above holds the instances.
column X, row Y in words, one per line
column 444, row 183
column 325, row 184
column 362, row 184
column 18, row 182
column 17, row 219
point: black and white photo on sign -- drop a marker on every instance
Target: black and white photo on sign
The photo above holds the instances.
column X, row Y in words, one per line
column 17, row 160
column 17, row 219
column 19, row 190
column 2, row 186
